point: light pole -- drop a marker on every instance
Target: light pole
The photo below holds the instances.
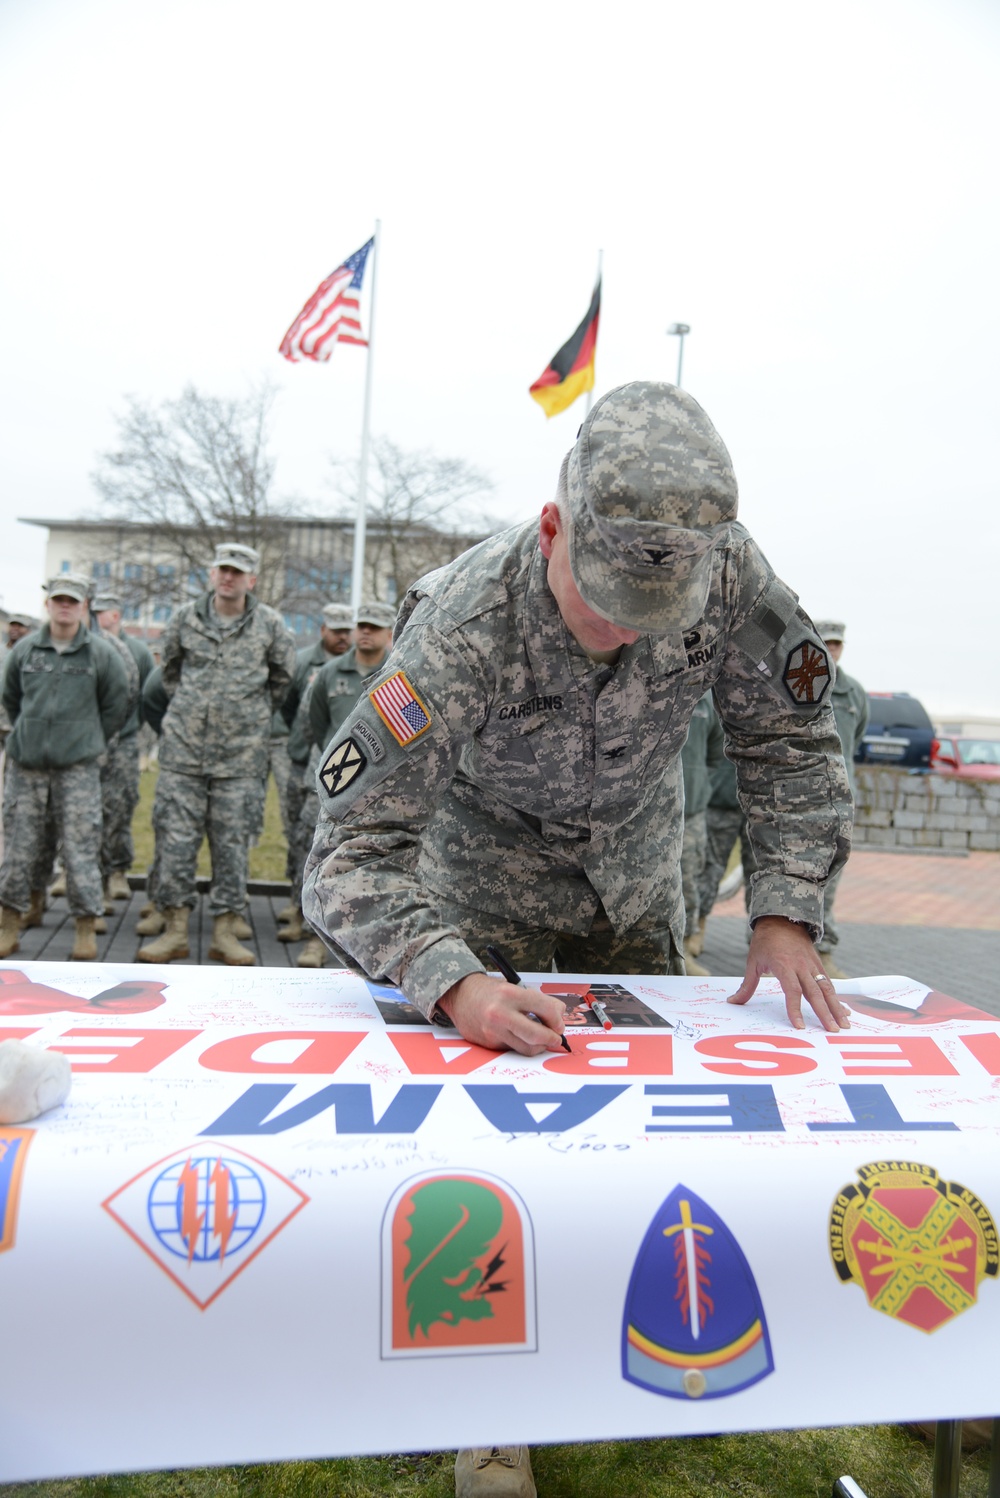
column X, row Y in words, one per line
column 678, row 330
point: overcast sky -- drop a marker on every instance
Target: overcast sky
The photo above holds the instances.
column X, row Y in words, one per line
column 812, row 187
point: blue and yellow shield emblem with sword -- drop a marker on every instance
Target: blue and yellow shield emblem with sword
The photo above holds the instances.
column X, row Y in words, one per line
column 694, row 1325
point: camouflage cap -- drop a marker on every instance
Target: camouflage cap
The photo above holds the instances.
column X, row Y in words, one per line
column 651, row 491
column 829, row 629
column 24, row 620
column 338, row 616
column 233, row 554
column 103, row 601
column 382, row 615
column 69, row 585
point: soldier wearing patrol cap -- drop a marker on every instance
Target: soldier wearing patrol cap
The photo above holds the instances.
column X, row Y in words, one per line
column 513, row 773
column 67, row 694
column 334, row 693
column 334, row 640
column 849, row 701
column 227, row 663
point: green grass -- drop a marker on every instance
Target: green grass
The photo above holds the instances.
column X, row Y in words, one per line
column 267, row 859
column 887, row 1460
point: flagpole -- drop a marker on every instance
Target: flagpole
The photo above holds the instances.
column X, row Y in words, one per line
column 358, row 561
column 590, row 393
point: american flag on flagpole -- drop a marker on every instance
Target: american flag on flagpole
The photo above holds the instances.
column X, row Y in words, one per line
column 332, row 314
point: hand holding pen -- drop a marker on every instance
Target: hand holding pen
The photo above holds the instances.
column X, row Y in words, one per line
column 511, row 975
column 504, row 1014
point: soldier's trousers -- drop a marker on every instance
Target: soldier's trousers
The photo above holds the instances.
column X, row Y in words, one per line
column 723, row 827
column 301, row 811
column 41, row 806
column 186, row 809
column 694, row 851
column 646, row 947
column 119, row 799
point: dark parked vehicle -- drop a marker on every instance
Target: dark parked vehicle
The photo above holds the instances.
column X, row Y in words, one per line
column 899, row 732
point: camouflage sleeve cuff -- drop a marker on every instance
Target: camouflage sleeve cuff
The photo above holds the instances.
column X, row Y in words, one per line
column 433, row 971
column 798, row 900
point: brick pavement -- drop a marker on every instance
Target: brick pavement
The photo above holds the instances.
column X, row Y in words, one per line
column 924, row 916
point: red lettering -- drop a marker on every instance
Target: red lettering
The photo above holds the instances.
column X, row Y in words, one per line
column 986, row 1049
column 743, row 1057
column 921, row 1055
column 431, row 1056
column 324, row 1053
column 617, row 1055
column 123, row 1050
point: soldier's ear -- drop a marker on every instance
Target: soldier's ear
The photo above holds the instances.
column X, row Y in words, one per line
column 549, row 526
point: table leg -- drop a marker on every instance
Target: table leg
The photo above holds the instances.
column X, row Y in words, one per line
column 993, row 1491
column 947, row 1459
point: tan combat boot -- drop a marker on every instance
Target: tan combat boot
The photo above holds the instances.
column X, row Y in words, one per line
column 152, row 922
column 225, row 948
column 494, row 1472
column 85, row 941
column 696, row 940
column 294, row 930
column 287, row 912
column 58, row 885
column 313, row 954
column 100, row 925
column 10, row 929
column 35, row 912
column 118, row 886
column 832, row 970
column 109, row 899
column 692, row 968
column 242, row 928
column 174, row 941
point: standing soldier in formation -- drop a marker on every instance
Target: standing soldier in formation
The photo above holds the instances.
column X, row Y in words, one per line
column 120, row 772
column 66, row 693
column 334, row 693
column 849, row 701
column 334, row 640
column 227, row 663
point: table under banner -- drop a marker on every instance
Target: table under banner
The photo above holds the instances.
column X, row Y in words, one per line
column 282, row 1216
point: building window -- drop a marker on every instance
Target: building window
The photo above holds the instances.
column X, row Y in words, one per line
column 161, row 613
column 65, row 567
column 100, row 569
column 133, row 572
column 198, row 580
column 130, row 611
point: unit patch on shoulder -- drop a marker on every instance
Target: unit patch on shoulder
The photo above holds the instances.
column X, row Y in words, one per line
column 371, row 741
column 807, row 673
column 342, row 765
column 918, row 1246
column 400, row 709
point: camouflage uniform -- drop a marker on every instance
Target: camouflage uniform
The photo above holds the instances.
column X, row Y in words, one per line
column 280, row 766
column 65, row 706
column 703, row 751
column 300, row 818
column 224, row 678
column 120, row 770
column 849, row 701
column 494, row 762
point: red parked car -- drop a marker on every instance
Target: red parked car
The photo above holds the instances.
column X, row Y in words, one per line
column 968, row 759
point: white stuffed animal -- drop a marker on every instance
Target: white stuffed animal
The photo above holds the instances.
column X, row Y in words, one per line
column 31, row 1080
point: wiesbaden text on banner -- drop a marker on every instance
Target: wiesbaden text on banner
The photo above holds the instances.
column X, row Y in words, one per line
column 571, row 371
column 332, row 314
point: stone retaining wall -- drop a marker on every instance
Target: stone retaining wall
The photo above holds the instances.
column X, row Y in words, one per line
column 896, row 810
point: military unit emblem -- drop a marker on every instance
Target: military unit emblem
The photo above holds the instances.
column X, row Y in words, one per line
column 918, row 1246
column 694, row 1325
column 458, row 1269
column 807, row 673
column 13, row 1149
column 341, row 766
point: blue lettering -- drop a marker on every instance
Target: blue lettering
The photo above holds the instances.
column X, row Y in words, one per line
column 251, row 1113
column 750, row 1109
column 871, row 1107
column 507, row 1109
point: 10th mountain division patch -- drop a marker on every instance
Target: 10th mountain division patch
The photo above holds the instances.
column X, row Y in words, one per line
column 694, row 1326
column 918, row 1246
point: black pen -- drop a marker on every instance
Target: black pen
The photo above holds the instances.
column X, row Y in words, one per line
column 505, row 970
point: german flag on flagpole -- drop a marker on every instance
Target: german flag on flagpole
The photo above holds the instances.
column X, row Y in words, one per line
column 571, row 371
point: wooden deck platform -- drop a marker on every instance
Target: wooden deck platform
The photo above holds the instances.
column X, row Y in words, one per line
column 53, row 940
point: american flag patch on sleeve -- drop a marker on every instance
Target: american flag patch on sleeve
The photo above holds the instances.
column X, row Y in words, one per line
column 400, row 709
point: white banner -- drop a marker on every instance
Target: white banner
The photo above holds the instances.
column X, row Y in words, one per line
column 280, row 1216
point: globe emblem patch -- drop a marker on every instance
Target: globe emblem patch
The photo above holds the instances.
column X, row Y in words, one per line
column 206, row 1206
column 204, row 1214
